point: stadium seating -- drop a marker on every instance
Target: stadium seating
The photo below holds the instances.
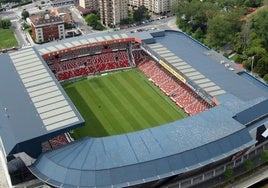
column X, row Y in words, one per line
column 178, row 92
column 58, row 141
column 140, row 57
column 83, row 62
column 85, row 65
column 54, row 143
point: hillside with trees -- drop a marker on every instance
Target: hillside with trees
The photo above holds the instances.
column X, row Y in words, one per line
column 240, row 24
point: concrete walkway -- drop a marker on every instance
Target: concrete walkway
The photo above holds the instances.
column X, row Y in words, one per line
column 172, row 24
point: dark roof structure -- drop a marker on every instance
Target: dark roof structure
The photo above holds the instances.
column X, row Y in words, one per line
column 250, row 115
column 160, row 152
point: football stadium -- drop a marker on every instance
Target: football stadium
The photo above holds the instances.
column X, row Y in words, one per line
column 116, row 109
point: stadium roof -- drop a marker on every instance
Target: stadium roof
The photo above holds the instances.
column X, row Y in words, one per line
column 150, row 154
column 32, row 102
column 170, row 149
column 208, row 69
column 163, row 151
column 250, row 115
column 138, row 158
column 87, row 39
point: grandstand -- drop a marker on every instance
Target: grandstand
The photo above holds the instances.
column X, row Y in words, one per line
column 227, row 110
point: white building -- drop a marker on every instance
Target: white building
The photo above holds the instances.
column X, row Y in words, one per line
column 156, row 6
column 47, row 27
column 89, row 4
column 113, row 11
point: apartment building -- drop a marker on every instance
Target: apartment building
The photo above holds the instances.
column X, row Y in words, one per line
column 89, row 4
column 113, row 11
column 47, row 27
column 156, row 6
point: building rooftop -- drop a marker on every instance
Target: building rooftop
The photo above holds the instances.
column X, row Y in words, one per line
column 45, row 19
column 32, row 103
column 64, row 13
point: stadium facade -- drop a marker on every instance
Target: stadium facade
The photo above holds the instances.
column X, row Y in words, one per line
column 35, row 108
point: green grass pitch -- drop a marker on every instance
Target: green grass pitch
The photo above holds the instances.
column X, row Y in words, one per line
column 120, row 102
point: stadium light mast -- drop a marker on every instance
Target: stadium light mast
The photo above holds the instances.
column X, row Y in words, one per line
column 252, row 62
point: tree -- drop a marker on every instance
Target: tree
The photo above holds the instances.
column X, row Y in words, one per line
column 241, row 40
column 265, row 78
column 5, row 23
column 195, row 14
column 260, row 25
column 199, row 34
column 257, row 42
column 246, row 64
column 261, row 66
column 222, row 28
column 91, row 19
column 249, row 165
column 253, row 3
column 216, row 33
column 227, row 4
column 0, row 22
column 229, row 172
column 25, row 14
column 141, row 14
column 264, row 154
column 99, row 26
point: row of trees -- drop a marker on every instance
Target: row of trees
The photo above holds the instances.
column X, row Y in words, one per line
column 249, row 166
column 137, row 15
column 220, row 22
column 5, row 23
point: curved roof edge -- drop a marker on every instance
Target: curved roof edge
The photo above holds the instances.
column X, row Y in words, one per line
column 60, row 170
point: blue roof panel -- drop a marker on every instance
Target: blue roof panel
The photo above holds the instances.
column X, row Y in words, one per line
column 73, row 176
column 162, row 166
column 189, row 158
column 103, row 178
column 176, row 163
column 88, row 179
column 202, row 153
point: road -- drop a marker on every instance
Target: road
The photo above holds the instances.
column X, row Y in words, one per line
column 162, row 24
column 80, row 22
column 33, row 8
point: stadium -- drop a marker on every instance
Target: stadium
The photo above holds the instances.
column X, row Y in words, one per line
column 173, row 111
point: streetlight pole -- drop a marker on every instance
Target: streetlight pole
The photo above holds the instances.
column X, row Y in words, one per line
column 252, row 62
